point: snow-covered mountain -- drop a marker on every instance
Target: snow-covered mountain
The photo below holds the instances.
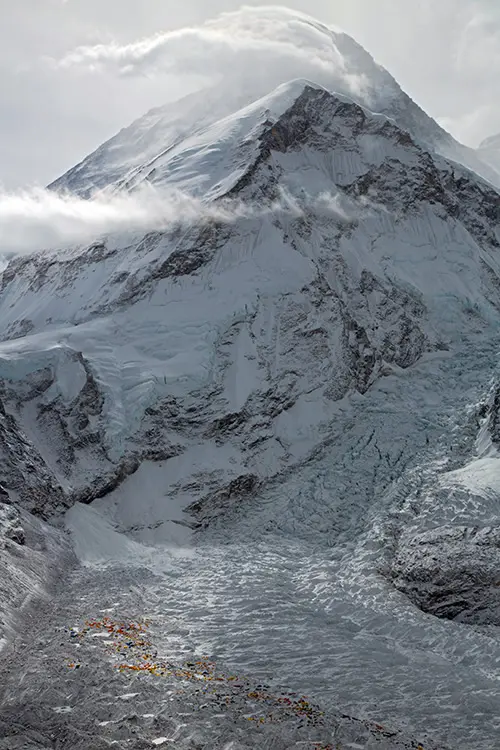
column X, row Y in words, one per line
column 152, row 147
column 275, row 427
column 489, row 151
column 338, row 256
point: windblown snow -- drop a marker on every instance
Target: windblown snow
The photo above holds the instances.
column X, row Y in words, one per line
column 249, row 462
column 239, row 58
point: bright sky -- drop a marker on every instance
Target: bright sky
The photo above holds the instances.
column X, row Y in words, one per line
column 444, row 53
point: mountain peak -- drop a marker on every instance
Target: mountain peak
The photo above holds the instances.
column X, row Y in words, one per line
column 493, row 141
column 276, row 46
column 489, row 151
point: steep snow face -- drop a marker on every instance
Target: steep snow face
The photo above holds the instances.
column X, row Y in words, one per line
column 489, row 151
column 359, row 252
column 267, row 411
column 208, row 162
column 303, row 48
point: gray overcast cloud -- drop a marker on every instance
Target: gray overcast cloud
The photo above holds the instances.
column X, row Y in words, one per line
column 444, row 53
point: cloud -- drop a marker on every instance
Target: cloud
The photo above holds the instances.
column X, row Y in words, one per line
column 40, row 219
column 258, row 45
column 450, row 64
column 51, row 117
column 469, row 126
column 271, row 29
column 473, row 39
column 478, row 46
column 36, row 220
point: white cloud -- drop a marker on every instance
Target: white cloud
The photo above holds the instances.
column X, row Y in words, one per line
column 35, row 220
column 40, row 219
column 478, row 46
column 436, row 45
column 272, row 44
column 274, row 30
column 50, row 118
column 467, row 127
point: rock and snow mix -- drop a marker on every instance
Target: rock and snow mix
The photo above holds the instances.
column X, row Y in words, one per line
column 31, row 553
column 275, row 423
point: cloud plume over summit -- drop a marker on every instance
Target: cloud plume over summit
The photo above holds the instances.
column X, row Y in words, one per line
column 253, row 44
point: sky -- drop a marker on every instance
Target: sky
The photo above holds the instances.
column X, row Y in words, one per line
column 56, row 106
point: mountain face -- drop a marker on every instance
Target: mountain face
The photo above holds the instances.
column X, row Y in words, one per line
column 212, row 333
column 297, row 391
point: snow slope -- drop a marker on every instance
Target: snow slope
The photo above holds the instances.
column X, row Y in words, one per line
column 277, row 430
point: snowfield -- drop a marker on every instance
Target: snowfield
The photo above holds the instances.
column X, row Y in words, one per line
column 249, row 462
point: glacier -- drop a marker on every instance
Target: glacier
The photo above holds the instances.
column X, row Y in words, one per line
column 269, row 433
